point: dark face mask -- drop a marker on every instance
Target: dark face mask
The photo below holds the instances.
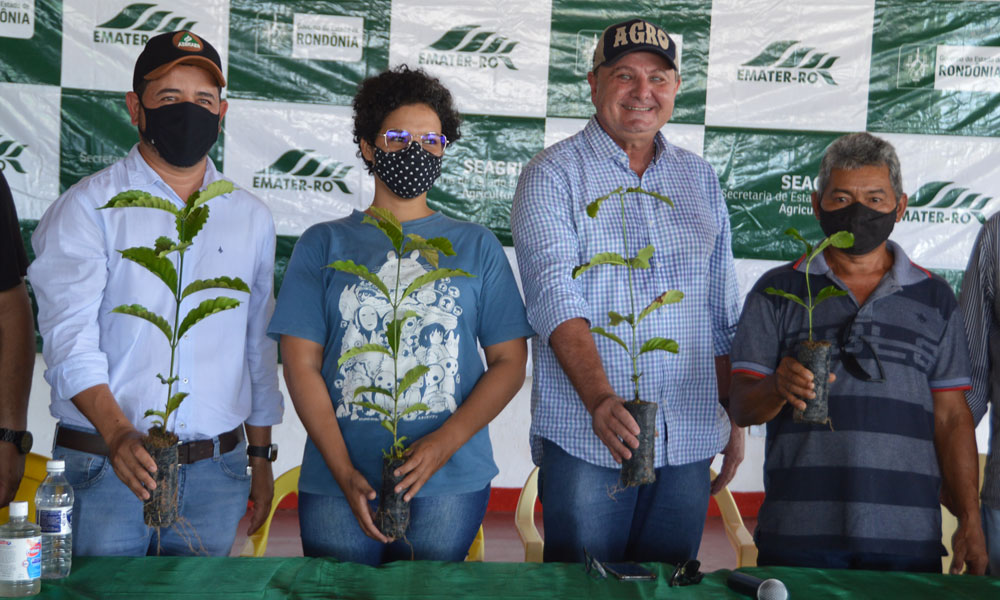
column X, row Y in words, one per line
column 182, row 133
column 869, row 226
column 407, row 173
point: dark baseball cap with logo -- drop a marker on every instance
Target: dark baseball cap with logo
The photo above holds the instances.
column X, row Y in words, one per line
column 634, row 35
column 167, row 50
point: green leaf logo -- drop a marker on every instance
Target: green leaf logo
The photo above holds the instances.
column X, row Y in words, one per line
column 475, row 39
column 309, row 163
column 790, row 54
column 10, row 150
column 146, row 17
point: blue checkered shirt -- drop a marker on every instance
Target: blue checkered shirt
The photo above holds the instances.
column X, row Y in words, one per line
column 692, row 241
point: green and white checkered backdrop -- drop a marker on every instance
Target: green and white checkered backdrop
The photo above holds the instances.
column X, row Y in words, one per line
column 766, row 86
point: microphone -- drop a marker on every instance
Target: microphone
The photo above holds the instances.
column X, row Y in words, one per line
column 762, row 589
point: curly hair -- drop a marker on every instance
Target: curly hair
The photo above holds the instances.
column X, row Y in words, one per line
column 380, row 95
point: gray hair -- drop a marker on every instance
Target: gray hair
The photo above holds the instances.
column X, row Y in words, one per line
column 857, row 150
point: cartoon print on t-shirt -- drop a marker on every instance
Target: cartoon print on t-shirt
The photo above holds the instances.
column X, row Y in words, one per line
column 430, row 338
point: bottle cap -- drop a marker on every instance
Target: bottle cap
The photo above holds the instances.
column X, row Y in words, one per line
column 55, row 465
column 18, row 509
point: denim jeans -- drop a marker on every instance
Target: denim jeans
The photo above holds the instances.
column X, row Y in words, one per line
column 834, row 559
column 661, row 521
column 441, row 528
column 107, row 517
column 991, row 528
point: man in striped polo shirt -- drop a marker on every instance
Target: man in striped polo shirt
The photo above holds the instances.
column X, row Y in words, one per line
column 863, row 493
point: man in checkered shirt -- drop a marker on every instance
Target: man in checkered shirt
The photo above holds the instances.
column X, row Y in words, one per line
column 580, row 429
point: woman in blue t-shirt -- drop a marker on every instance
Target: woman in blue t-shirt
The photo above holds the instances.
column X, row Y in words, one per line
column 403, row 122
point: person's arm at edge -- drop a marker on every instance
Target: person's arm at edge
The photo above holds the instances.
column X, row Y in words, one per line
column 735, row 450
column 976, row 301
column 17, row 360
column 303, row 361
column 262, row 361
column 505, row 362
column 955, row 444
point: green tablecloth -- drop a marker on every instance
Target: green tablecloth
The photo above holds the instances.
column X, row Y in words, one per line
column 276, row 578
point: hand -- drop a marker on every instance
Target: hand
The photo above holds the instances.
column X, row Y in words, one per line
column 261, row 492
column 358, row 493
column 732, row 456
column 132, row 464
column 968, row 548
column 793, row 382
column 615, row 427
column 11, row 471
column 423, row 459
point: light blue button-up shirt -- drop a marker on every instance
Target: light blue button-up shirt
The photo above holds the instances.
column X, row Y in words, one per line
column 227, row 363
column 692, row 241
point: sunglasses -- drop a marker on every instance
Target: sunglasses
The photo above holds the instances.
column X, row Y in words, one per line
column 847, row 339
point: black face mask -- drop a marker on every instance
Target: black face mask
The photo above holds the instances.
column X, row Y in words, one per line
column 182, row 133
column 407, row 173
column 869, row 226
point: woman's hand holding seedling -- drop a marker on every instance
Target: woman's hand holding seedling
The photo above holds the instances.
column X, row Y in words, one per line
column 358, row 493
column 423, row 459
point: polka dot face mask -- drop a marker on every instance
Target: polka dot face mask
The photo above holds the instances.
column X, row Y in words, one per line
column 407, row 173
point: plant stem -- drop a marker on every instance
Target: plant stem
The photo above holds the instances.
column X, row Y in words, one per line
column 809, row 296
column 395, row 354
column 631, row 298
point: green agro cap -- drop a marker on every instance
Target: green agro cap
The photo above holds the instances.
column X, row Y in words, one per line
column 167, row 50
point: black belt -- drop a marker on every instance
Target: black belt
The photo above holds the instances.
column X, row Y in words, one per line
column 187, row 453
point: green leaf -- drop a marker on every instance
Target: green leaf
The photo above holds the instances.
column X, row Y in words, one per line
column 414, row 408
column 389, row 427
column 138, row 310
column 175, row 401
column 658, row 343
column 137, row 199
column 223, row 282
column 394, row 329
column 617, row 319
column 793, row 232
column 148, row 259
column 603, row 258
column 412, row 376
column 595, row 206
column 667, row 297
column 641, row 260
column 784, row 294
column 610, row 336
column 370, row 405
column 841, row 239
column 388, row 224
column 174, row 247
column 205, row 309
column 830, row 291
column 157, row 413
column 190, row 224
column 216, row 188
column 163, row 244
column 659, row 197
column 434, row 275
column 348, row 266
column 428, row 249
column 346, row 356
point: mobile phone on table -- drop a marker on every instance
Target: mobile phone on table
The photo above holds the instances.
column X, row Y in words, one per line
column 629, row 571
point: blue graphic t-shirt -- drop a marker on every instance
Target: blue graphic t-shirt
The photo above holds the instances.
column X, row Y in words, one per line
column 341, row 311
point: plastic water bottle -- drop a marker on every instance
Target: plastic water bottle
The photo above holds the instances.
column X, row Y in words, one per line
column 20, row 554
column 54, row 511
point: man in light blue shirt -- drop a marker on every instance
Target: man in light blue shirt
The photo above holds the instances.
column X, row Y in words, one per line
column 580, row 429
column 103, row 366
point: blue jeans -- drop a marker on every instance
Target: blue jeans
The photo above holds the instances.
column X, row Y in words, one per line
column 991, row 528
column 107, row 517
column 661, row 521
column 836, row 559
column 441, row 528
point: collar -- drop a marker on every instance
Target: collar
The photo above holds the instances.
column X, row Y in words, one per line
column 140, row 175
column 903, row 272
column 605, row 147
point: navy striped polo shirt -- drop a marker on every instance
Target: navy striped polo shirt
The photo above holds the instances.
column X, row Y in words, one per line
column 871, row 483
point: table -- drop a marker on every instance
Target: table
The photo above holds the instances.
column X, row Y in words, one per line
column 200, row 578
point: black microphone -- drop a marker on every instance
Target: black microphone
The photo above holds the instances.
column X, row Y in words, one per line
column 762, row 589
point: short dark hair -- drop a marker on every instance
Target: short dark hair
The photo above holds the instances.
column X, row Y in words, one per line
column 856, row 150
column 401, row 86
